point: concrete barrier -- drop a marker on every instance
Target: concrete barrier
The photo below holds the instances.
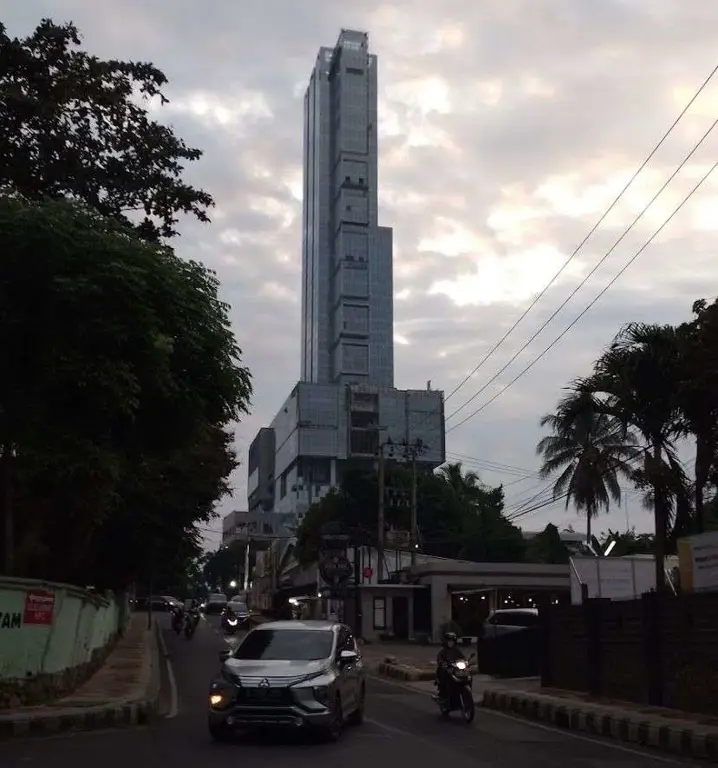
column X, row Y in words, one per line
column 52, row 638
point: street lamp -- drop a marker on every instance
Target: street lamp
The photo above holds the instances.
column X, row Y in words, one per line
column 233, row 584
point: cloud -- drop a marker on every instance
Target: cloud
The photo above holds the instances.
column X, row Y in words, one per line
column 506, row 128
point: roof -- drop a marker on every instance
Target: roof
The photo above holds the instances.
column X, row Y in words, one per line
column 309, row 625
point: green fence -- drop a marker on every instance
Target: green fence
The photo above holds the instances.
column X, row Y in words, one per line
column 48, row 628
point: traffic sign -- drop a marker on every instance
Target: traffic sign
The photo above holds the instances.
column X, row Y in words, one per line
column 336, row 569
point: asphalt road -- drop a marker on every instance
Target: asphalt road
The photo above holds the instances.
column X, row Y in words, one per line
column 402, row 728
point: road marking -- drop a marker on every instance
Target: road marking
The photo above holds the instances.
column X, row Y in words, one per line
column 391, row 729
column 174, row 695
column 541, row 726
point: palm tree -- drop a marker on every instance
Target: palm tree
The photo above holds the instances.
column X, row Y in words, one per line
column 464, row 485
column 636, row 381
column 590, row 449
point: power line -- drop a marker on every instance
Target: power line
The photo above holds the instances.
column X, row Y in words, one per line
column 583, row 242
column 547, row 349
column 590, row 274
column 493, row 465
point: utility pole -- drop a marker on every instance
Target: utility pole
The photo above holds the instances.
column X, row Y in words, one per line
column 414, row 522
column 6, row 504
column 380, row 526
column 412, row 450
column 246, row 568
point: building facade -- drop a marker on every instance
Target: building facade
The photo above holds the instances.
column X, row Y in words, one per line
column 260, row 527
column 347, row 300
column 321, row 428
column 345, row 404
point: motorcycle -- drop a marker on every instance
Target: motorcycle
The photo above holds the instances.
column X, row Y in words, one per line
column 177, row 620
column 230, row 623
column 190, row 625
column 459, row 696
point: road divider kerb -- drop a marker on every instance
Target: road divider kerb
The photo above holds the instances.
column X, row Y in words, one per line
column 670, row 735
column 396, row 671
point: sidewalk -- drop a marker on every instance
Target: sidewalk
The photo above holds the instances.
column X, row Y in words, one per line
column 124, row 691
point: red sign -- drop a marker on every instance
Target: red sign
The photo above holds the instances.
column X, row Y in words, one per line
column 367, row 573
column 39, row 607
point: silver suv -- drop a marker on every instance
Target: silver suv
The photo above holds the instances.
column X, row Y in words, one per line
column 293, row 674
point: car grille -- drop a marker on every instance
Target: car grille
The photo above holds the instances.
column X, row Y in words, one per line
column 264, row 697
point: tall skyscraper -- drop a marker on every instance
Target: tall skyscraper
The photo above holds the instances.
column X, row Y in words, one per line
column 345, row 404
column 347, row 302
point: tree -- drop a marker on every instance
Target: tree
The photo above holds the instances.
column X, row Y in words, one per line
column 590, row 449
column 628, row 543
column 457, row 516
column 226, row 565
column 637, row 381
column 547, row 547
column 328, row 509
column 121, row 375
column 464, row 484
column 72, row 126
column 697, row 395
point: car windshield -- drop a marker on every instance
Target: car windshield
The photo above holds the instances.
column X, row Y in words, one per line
column 237, row 606
column 286, row 645
column 218, row 598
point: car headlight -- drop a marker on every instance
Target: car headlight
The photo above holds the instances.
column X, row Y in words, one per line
column 461, row 665
column 321, row 694
column 219, row 696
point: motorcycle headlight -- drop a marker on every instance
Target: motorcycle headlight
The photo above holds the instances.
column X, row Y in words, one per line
column 461, row 665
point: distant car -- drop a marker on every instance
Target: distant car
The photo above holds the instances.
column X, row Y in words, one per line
column 215, row 603
column 319, row 682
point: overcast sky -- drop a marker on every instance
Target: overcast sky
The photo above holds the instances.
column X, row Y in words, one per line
column 506, row 129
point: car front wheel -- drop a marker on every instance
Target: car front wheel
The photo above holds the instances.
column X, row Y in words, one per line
column 357, row 716
column 333, row 730
column 220, row 732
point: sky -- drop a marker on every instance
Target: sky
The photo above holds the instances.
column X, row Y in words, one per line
column 506, row 129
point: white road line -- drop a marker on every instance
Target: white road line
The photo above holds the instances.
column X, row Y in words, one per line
column 174, row 696
column 392, row 729
column 533, row 724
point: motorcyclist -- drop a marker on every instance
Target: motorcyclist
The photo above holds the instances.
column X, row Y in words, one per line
column 448, row 654
column 178, row 612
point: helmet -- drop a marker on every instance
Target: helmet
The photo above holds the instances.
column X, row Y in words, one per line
column 450, row 637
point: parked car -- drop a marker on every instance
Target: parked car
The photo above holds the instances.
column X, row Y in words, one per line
column 507, row 620
column 158, row 602
column 510, row 644
column 215, row 603
column 319, row 685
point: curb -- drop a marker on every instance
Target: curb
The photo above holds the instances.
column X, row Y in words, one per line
column 400, row 672
column 408, row 674
column 653, row 731
column 139, row 710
